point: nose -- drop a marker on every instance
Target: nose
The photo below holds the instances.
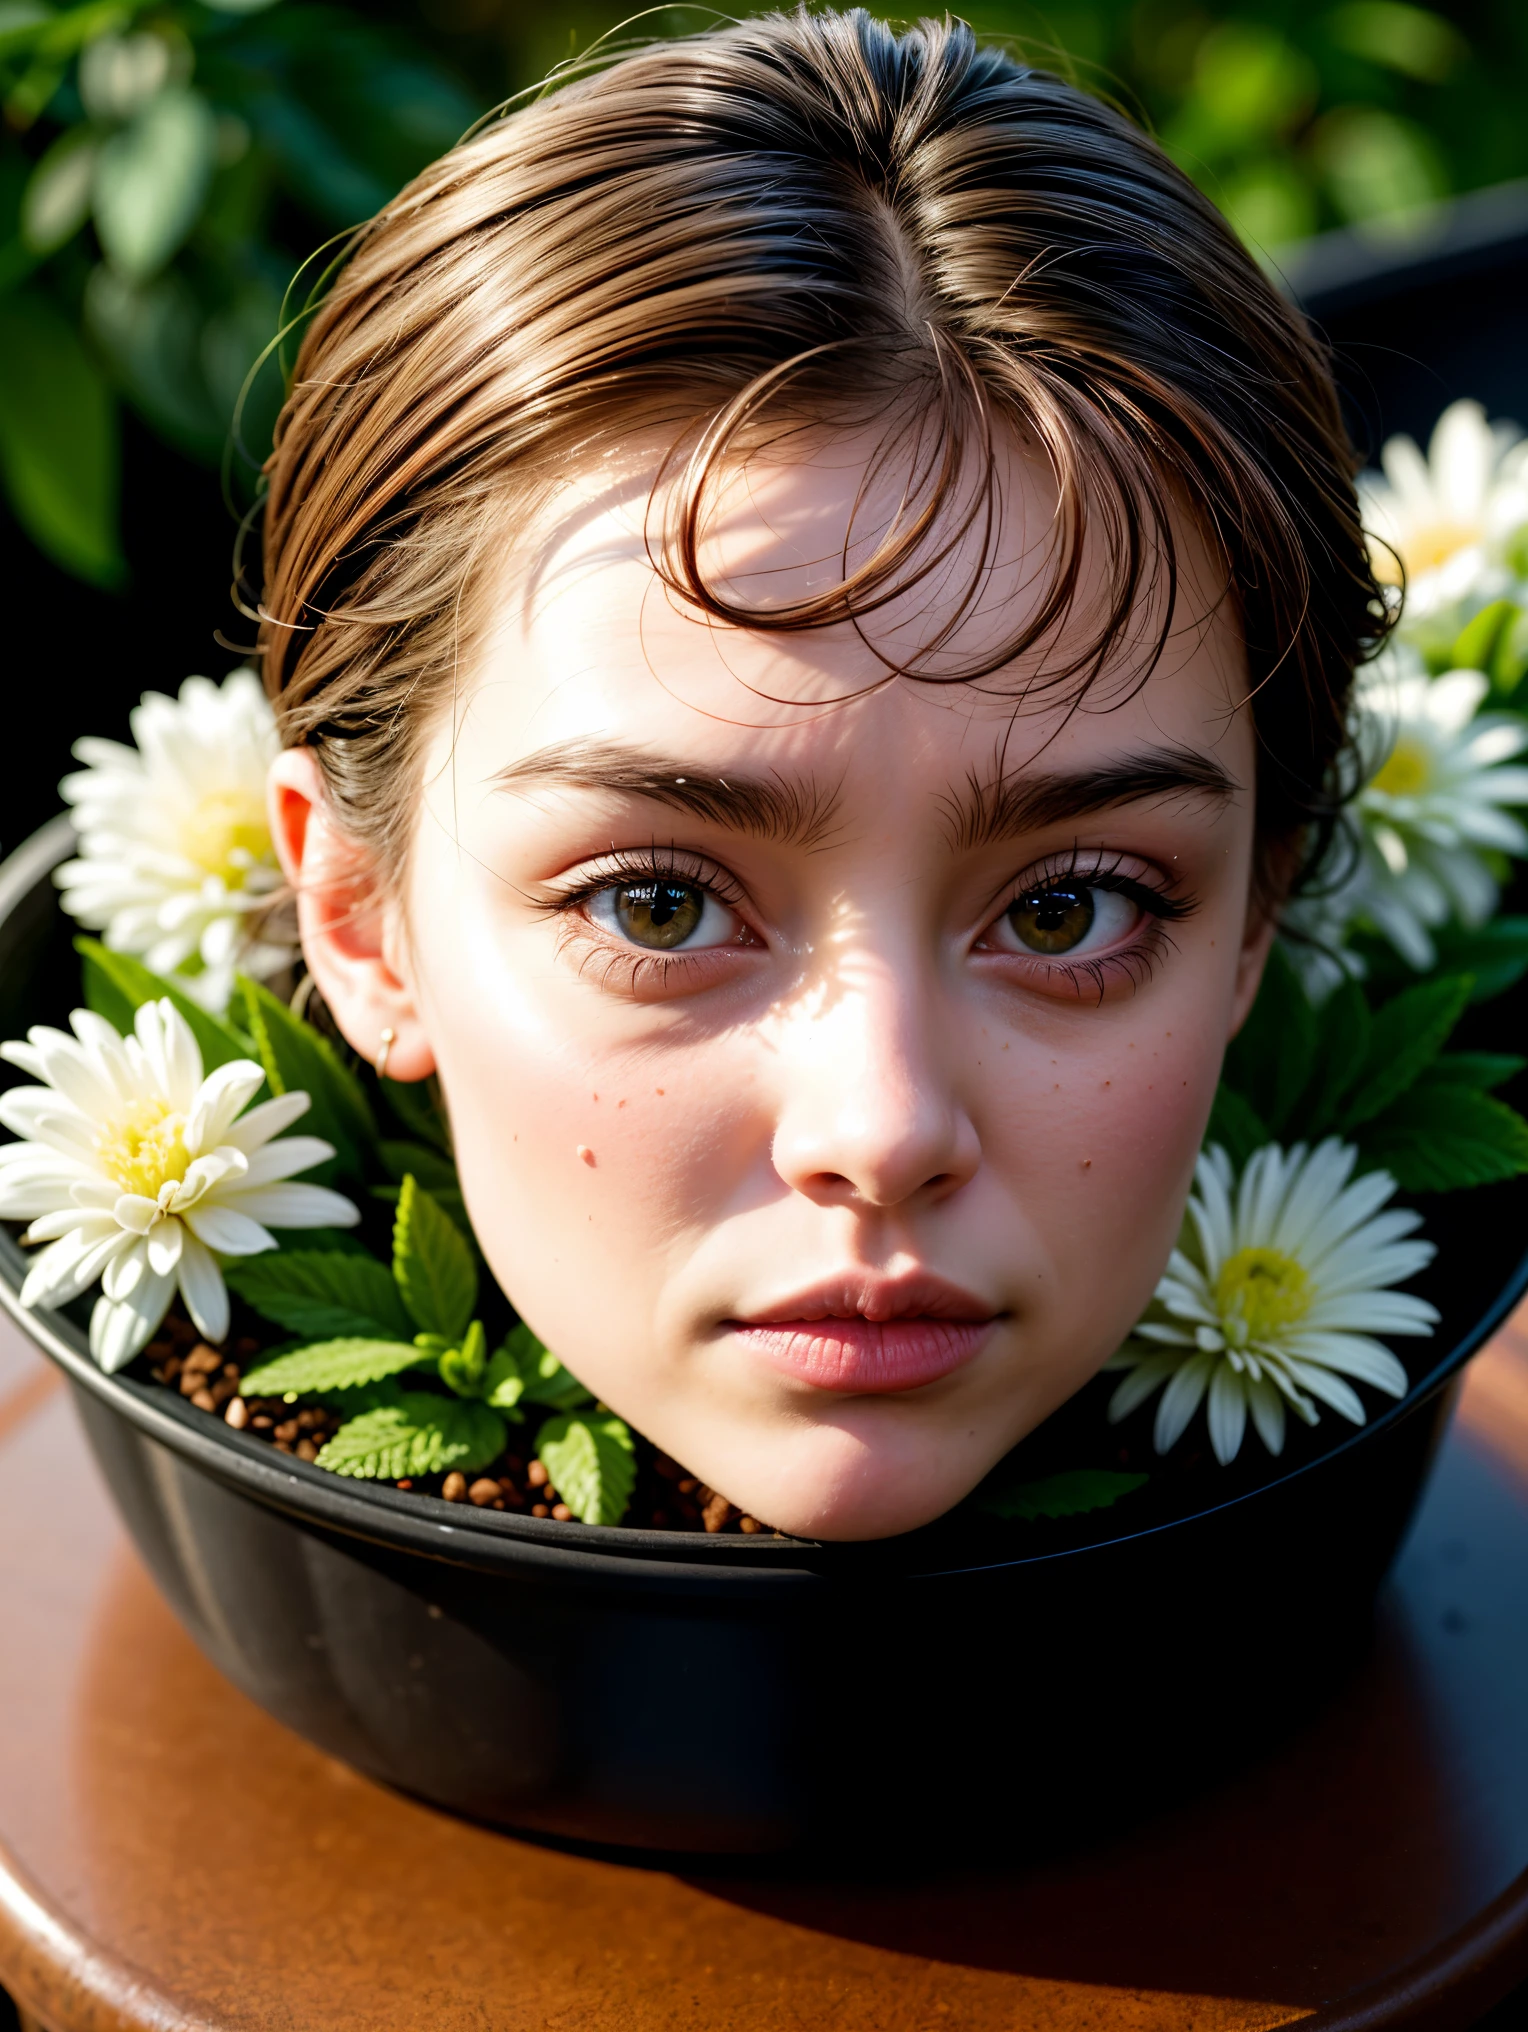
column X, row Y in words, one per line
column 871, row 1114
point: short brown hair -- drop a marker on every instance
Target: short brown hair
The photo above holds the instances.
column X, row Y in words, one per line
column 815, row 211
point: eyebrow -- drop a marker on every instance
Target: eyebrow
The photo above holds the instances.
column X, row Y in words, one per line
column 805, row 813
column 1004, row 808
column 778, row 808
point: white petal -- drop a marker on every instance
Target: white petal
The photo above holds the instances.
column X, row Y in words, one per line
column 1267, row 1408
column 163, row 1245
column 119, row 1330
column 275, row 1161
column 269, row 1119
column 1180, row 1400
column 1149, row 1374
column 1226, row 1414
column 293, row 1206
column 227, row 1230
column 223, row 1093
column 202, row 1287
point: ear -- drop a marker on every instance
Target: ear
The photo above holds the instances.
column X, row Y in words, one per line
column 1257, row 943
column 352, row 935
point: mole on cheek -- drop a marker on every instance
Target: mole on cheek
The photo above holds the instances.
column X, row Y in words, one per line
column 586, row 1155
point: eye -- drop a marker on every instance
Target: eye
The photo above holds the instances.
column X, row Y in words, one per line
column 664, row 914
column 1064, row 920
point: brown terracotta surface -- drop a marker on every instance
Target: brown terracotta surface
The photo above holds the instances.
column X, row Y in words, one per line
column 170, row 1858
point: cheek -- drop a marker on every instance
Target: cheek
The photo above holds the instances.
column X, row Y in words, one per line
column 589, row 1162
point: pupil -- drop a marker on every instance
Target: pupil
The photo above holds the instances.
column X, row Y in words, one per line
column 1053, row 920
column 659, row 914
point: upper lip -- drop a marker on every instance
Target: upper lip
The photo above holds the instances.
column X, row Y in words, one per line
column 863, row 1294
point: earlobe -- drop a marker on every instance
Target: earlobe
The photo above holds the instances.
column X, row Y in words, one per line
column 345, row 921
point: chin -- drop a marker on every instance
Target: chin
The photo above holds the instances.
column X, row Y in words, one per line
column 848, row 1491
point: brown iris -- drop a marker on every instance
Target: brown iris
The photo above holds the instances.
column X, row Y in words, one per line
column 1052, row 920
column 660, row 914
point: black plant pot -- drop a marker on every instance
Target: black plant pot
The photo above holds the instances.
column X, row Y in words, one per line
column 684, row 1693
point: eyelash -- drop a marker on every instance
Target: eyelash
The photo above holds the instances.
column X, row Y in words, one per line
column 1136, row 963
column 625, row 966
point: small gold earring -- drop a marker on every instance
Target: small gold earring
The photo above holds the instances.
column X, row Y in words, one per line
column 387, row 1045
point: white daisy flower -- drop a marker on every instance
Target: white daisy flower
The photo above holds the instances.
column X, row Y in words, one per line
column 1273, row 1296
column 175, row 849
column 1446, row 518
column 137, row 1171
column 1436, row 784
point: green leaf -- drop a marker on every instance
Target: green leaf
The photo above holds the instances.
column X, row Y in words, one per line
column 1343, row 1032
column 1476, row 644
column 503, row 1385
column 1406, row 1036
column 417, row 1105
column 296, row 1058
column 1445, row 1137
column 322, row 1294
column 151, row 181
column 1235, row 1125
column 1070, row 1494
column 1481, row 1070
column 117, row 985
column 592, row 1462
column 1496, row 954
column 330, row 1365
column 59, row 452
column 545, row 1379
column 432, row 1264
column 57, row 200
column 435, row 1172
column 465, row 1369
column 1269, row 1060
column 422, row 1434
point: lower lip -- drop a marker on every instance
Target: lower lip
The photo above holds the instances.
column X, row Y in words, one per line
column 860, row 1356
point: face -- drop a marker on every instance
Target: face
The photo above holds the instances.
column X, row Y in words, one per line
column 827, row 1054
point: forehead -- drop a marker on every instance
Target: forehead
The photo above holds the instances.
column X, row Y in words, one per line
column 587, row 640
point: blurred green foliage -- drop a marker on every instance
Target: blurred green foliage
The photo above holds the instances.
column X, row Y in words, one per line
column 165, row 167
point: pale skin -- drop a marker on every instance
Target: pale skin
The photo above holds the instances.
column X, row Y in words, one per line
column 841, row 1191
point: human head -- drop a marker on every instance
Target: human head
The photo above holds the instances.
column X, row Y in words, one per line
column 917, row 310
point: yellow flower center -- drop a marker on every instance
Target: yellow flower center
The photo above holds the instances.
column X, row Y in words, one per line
column 1258, row 1293
column 223, row 825
column 145, row 1149
column 1425, row 547
column 1407, row 771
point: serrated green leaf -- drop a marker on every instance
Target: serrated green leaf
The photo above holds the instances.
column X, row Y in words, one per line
column 117, row 985
column 545, row 1379
column 1481, row 1070
column 1343, row 1030
column 297, row 1059
column 1070, row 1494
column 1446, row 1137
column 422, row 1434
column 432, row 1264
column 322, row 1294
column 591, row 1459
column 1269, row 1060
column 1405, row 1037
column 361, row 1397
column 330, row 1365
column 1235, row 1125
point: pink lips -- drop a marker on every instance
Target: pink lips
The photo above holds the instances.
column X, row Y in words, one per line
column 868, row 1334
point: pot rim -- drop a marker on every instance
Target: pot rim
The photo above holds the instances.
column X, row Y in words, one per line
column 532, row 1545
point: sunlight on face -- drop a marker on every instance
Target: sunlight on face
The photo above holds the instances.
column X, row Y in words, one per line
column 827, row 1059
